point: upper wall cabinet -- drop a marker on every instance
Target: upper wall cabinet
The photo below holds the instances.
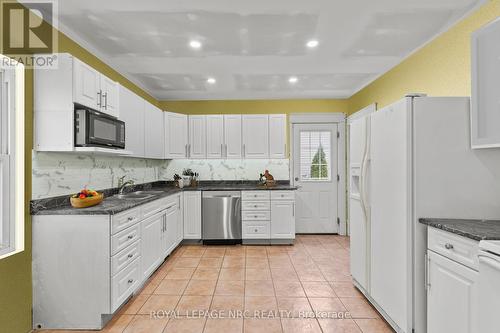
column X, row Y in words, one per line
column 154, row 140
column 197, row 147
column 93, row 89
column 132, row 113
column 215, row 136
column 232, row 136
column 277, row 135
column 176, row 135
column 255, row 136
column 485, row 112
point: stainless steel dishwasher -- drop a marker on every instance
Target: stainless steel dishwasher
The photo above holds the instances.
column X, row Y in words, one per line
column 221, row 219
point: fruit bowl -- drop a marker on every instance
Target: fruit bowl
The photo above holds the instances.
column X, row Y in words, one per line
column 88, row 201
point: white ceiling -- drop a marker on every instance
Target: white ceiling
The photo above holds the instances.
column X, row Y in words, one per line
column 253, row 47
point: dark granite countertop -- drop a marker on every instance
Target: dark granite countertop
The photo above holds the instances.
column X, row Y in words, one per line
column 112, row 205
column 473, row 229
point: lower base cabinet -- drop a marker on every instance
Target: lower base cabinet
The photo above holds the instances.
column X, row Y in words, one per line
column 451, row 285
column 152, row 234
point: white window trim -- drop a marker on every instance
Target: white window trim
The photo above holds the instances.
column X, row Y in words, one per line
column 12, row 155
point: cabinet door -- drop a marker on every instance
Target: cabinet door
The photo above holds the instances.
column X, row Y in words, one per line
column 110, row 96
column 171, row 223
column 86, row 82
column 255, row 129
column 197, row 147
column 215, row 136
column 180, row 219
column 282, row 219
column 485, row 112
column 451, row 296
column 232, row 136
column 151, row 244
column 192, row 215
column 277, row 135
column 132, row 113
column 153, row 130
column 176, row 135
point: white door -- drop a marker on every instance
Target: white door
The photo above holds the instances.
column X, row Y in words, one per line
column 132, row 113
column 197, row 147
column 232, row 136
column 315, row 157
column 255, row 129
column 151, row 237
column 451, row 296
column 176, row 135
column 153, row 132
column 277, row 135
column 171, row 222
column 86, row 82
column 110, row 96
column 215, row 136
column 180, row 219
column 282, row 213
column 192, row 215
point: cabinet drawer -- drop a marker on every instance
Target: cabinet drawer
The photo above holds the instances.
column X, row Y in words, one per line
column 249, row 215
column 124, row 284
column 454, row 247
column 125, row 257
column 282, row 195
column 154, row 207
column 256, row 230
column 255, row 205
column 125, row 219
column 124, row 238
column 255, row 195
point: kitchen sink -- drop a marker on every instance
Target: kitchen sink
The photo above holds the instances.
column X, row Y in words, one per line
column 133, row 196
column 148, row 192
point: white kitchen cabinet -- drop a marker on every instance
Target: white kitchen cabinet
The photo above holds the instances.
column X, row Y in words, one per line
column 110, row 96
column 232, row 136
column 255, row 136
column 485, row 111
column 277, row 136
column 154, row 140
column 132, row 113
column 94, row 90
column 451, row 296
column 197, row 147
column 171, row 225
column 180, row 218
column 152, row 235
column 86, row 85
column 215, row 136
column 192, row 214
column 176, row 135
column 282, row 219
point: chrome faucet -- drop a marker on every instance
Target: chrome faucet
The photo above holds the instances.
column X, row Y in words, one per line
column 122, row 183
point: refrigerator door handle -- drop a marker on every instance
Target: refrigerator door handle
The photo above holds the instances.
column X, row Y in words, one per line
column 362, row 178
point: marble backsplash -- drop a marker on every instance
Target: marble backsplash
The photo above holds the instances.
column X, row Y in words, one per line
column 55, row 174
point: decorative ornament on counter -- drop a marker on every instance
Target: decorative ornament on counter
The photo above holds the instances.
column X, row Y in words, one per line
column 86, row 198
column 267, row 179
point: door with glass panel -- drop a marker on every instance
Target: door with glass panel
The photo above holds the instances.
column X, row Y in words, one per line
column 315, row 173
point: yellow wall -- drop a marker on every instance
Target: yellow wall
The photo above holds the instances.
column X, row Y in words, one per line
column 441, row 68
column 256, row 106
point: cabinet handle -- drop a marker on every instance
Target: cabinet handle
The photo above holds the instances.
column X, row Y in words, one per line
column 255, row 206
column 221, row 150
column 186, row 150
column 225, row 146
column 448, row 246
column 130, row 236
column 256, row 230
column 244, row 151
column 130, row 218
column 293, row 210
column 130, row 281
column 189, row 150
column 130, row 255
column 427, row 272
column 105, row 97
column 255, row 216
column 99, row 100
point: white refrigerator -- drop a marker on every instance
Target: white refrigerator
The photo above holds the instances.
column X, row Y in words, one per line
column 418, row 164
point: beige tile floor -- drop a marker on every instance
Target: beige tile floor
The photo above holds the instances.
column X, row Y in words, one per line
column 300, row 288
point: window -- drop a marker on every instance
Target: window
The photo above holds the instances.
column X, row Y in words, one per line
column 11, row 157
column 315, row 154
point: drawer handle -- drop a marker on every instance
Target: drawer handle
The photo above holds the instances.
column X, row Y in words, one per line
column 130, row 281
column 255, row 195
column 130, row 236
column 255, row 206
column 255, row 216
column 448, row 246
column 256, row 230
column 130, row 218
column 282, row 195
column 130, row 255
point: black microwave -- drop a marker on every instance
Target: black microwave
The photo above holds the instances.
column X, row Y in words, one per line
column 97, row 129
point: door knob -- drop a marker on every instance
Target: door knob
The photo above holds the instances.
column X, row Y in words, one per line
column 296, row 179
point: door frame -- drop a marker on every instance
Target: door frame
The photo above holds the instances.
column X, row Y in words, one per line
column 338, row 118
